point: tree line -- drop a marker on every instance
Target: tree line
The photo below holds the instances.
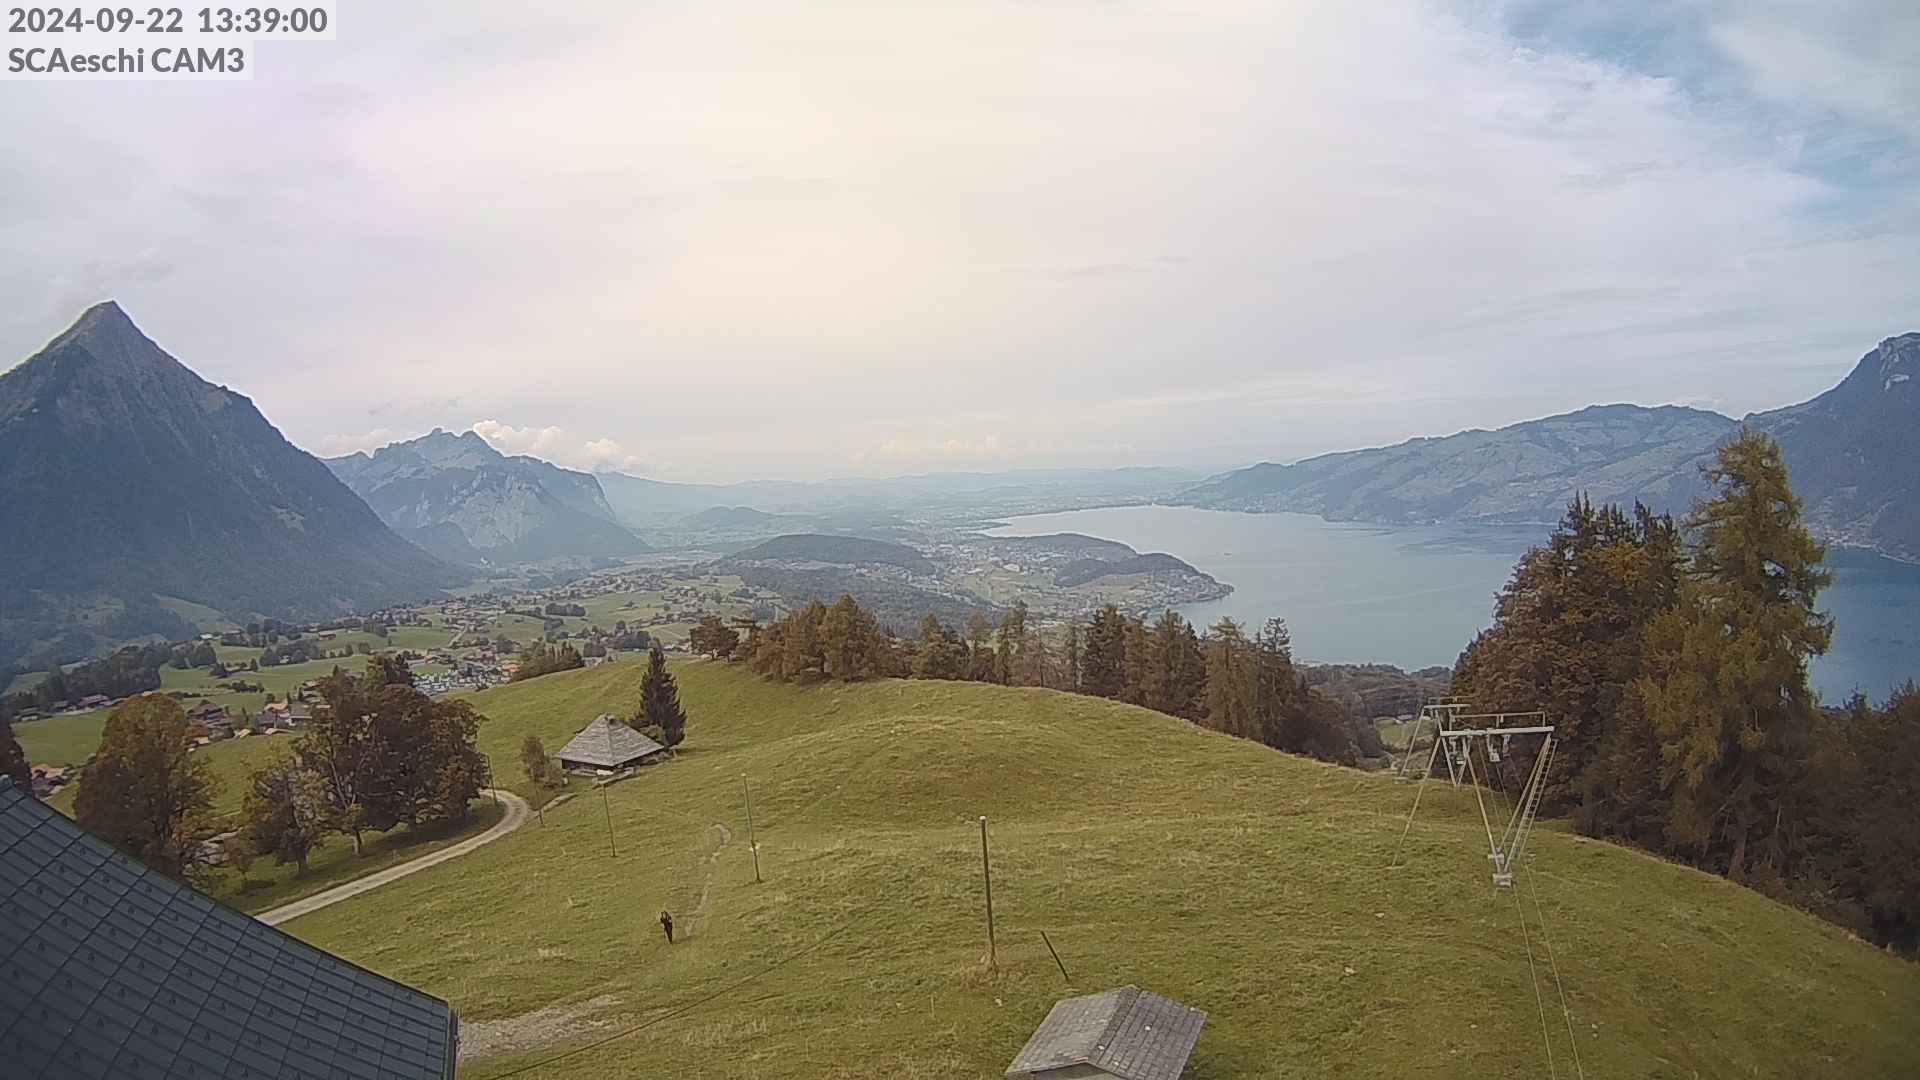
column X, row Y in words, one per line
column 1226, row 679
column 1672, row 660
column 377, row 754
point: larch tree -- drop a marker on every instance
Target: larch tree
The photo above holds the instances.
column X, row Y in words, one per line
column 145, row 793
column 1233, row 686
column 1176, row 669
column 941, row 654
column 660, row 700
column 1726, row 685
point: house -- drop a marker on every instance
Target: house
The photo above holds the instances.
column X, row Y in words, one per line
column 1124, row 1034
column 114, row 969
column 607, row 745
column 95, row 701
column 206, row 711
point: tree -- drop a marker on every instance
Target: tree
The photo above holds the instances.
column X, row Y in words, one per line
column 13, row 760
column 1232, row 689
column 337, row 746
column 1175, row 668
column 941, row 654
column 980, row 655
column 387, row 670
column 533, row 755
column 711, row 636
column 660, row 701
column 144, row 793
column 284, row 815
column 1103, row 666
column 849, row 642
column 1071, row 659
column 1726, row 683
column 421, row 760
column 1010, row 659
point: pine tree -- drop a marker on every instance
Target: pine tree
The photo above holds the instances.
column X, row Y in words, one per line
column 980, row 654
column 1010, row 652
column 1071, row 659
column 941, row 655
column 1138, row 649
column 1727, row 683
column 660, row 700
column 144, row 793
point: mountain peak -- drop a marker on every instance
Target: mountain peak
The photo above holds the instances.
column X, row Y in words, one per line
column 105, row 335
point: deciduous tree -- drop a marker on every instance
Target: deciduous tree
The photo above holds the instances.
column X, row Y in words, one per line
column 284, row 814
column 145, row 793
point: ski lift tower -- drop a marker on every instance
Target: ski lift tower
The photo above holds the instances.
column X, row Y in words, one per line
column 1455, row 731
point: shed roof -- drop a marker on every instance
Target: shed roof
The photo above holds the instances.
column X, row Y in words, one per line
column 109, row 968
column 1128, row 1032
column 609, row 744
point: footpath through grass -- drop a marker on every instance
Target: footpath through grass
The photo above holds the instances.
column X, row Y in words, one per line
column 1245, row 882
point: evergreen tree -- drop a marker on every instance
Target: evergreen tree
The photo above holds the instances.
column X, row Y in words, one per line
column 850, row 643
column 1176, row 669
column 660, row 701
column 1726, row 685
column 1071, row 658
column 1010, row 653
column 1233, row 687
column 981, row 661
column 1103, row 664
column 1137, row 647
column 941, row 654
column 144, row 793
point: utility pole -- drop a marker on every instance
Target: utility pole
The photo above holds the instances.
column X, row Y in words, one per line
column 753, row 845
column 986, row 873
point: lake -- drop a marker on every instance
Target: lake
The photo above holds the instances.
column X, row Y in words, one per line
column 1414, row 596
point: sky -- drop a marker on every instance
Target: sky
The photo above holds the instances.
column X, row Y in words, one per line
column 728, row 240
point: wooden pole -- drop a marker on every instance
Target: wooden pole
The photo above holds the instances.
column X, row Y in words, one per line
column 986, row 873
column 604, row 805
column 1056, row 958
column 753, row 846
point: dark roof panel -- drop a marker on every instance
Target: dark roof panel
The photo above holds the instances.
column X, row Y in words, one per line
column 110, row 969
column 1128, row 1032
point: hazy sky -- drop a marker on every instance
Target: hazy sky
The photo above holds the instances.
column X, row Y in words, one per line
column 719, row 240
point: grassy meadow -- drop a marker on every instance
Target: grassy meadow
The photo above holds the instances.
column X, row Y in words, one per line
column 1242, row 881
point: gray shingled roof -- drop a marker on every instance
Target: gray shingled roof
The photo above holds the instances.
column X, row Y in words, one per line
column 108, row 968
column 1128, row 1032
column 608, row 744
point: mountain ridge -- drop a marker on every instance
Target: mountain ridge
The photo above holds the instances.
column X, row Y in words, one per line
column 129, row 479
column 506, row 509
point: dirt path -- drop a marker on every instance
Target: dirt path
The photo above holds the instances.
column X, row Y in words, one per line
column 517, row 814
column 706, row 879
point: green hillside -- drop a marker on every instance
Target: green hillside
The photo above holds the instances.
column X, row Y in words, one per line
column 1240, row 880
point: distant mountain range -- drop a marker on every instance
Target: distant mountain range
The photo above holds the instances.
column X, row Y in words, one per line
column 1852, row 454
column 459, row 498
column 137, row 498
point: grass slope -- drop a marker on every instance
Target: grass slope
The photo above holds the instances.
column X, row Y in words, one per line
column 1240, row 880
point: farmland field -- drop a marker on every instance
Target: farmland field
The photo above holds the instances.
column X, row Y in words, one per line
column 1248, row 883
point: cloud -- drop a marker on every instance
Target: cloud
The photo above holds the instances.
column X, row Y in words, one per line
column 553, row 444
column 772, row 239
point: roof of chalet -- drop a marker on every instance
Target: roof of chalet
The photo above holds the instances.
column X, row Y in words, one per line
column 109, row 968
column 609, row 744
column 1128, row 1032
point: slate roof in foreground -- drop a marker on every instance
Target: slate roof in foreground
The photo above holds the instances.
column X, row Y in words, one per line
column 608, row 744
column 1128, row 1032
column 108, row 968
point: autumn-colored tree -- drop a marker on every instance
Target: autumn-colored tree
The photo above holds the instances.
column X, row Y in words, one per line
column 284, row 814
column 660, row 701
column 711, row 636
column 1726, row 671
column 145, row 793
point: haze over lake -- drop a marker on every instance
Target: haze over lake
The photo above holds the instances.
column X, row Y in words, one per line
column 1414, row 596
